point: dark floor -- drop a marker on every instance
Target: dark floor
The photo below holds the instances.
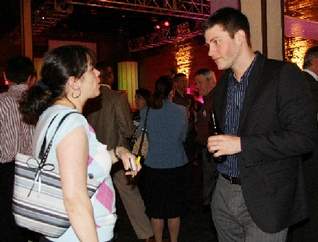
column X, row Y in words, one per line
column 196, row 226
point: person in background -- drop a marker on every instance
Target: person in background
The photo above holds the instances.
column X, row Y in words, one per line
column 180, row 87
column 141, row 100
column 264, row 109
column 205, row 81
column 16, row 136
column 110, row 116
column 182, row 98
column 69, row 79
column 165, row 167
column 306, row 231
column 310, row 70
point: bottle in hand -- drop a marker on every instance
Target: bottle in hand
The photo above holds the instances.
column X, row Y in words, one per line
column 215, row 130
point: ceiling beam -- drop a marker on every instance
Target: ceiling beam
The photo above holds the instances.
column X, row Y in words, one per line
column 188, row 9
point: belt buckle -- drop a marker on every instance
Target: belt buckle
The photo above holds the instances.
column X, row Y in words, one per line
column 231, row 180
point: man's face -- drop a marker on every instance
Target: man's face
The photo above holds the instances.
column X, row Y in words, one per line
column 109, row 74
column 181, row 84
column 203, row 85
column 223, row 49
column 314, row 65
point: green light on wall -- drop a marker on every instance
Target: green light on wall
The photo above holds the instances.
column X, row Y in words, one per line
column 128, row 79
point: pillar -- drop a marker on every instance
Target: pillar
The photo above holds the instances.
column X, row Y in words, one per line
column 128, row 79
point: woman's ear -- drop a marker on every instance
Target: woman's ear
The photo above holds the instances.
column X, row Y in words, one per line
column 73, row 83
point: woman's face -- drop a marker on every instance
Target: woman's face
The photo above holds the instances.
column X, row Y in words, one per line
column 90, row 82
column 140, row 102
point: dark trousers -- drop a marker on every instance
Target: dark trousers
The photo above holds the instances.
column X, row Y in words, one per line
column 10, row 232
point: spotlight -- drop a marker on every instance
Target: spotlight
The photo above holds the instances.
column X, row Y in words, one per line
column 157, row 26
column 166, row 23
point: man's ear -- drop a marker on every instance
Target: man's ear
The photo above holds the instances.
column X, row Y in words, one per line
column 6, row 80
column 31, row 80
column 4, row 76
column 240, row 36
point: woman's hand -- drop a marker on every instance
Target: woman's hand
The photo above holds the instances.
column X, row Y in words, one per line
column 131, row 167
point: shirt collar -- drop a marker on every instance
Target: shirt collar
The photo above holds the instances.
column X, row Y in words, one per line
column 313, row 74
column 106, row 85
column 247, row 72
column 17, row 89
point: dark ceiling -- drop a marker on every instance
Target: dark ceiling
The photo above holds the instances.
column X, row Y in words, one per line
column 90, row 22
column 82, row 22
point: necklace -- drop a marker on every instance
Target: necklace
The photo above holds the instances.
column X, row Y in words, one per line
column 69, row 100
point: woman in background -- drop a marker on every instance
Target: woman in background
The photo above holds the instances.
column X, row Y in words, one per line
column 165, row 168
column 141, row 101
column 69, row 79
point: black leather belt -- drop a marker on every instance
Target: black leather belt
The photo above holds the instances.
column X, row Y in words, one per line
column 233, row 180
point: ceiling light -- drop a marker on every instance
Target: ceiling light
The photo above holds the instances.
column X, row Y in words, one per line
column 166, row 23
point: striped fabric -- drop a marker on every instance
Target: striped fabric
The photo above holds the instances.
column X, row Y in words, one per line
column 38, row 197
column 16, row 136
column 43, row 211
column 234, row 104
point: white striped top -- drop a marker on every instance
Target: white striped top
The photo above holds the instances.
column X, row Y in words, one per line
column 16, row 136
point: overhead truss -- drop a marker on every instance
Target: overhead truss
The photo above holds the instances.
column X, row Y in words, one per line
column 180, row 33
column 189, row 9
column 53, row 11
column 47, row 16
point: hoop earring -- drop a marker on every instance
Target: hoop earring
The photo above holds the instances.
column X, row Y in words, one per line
column 74, row 95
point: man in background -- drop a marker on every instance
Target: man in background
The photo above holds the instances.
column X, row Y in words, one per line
column 182, row 98
column 16, row 136
column 110, row 116
column 205, row 82
column 180, row 87
column 307, row 231
column 310, row 69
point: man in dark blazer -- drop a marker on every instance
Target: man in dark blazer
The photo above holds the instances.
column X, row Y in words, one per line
column 264, row 109
column 110, row 116
column 306, row 231
column 310, row 69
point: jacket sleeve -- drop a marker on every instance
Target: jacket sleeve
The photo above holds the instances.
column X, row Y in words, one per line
column 124, row 119
column 297, row 131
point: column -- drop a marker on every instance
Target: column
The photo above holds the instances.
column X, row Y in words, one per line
column 128, row 79
column 26, row 28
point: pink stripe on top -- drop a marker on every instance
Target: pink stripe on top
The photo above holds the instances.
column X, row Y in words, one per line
column 105, row 196
column 91, row 129
column 90, row 159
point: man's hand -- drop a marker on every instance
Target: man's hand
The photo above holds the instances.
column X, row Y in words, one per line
column 224, row 145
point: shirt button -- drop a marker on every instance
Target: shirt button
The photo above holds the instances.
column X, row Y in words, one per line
column 90, row 176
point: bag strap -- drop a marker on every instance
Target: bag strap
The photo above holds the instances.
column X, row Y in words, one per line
column 43, row 154
column 144, row 130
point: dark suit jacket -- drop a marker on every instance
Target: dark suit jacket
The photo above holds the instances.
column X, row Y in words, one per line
column 313, row 88
column 110, row 116
column 307, row 230
column 277, row 126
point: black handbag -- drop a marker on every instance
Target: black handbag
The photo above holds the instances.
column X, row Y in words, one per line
column 140, row 147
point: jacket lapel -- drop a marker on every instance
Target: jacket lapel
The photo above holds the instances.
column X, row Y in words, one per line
column 254, row 87
column 219, row 101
